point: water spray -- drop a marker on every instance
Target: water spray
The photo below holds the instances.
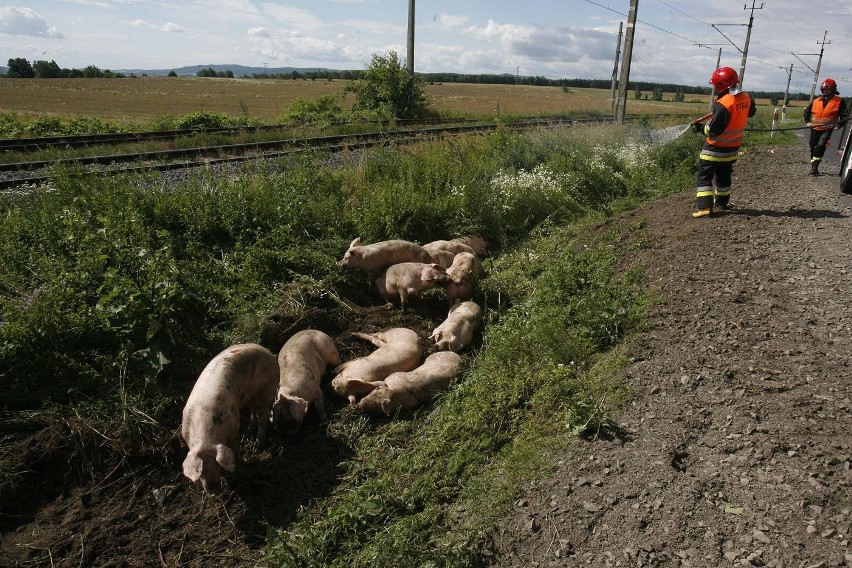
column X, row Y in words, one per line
column 702, row 119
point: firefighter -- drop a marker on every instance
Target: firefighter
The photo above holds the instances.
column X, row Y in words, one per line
column 724, row 132
column 822, row 116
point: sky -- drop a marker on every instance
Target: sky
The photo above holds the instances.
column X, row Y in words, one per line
column 675, row 41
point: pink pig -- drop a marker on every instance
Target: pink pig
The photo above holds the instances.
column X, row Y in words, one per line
column 302, row 360
column 407, row 281
column 398, row 350
column 463, row 275
column 376, row 257
column 443, row 252
column 244, row 375
column 456, row 332
column 406, row 390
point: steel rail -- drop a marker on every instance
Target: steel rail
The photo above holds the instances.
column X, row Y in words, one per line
column 211, row 155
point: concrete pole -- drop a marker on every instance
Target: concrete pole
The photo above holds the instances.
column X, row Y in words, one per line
column 613, row 89
column 787, row 89
column 748, row 37
column 410, row 57
column 712, row 88
column 621, row 103
column 819, row 63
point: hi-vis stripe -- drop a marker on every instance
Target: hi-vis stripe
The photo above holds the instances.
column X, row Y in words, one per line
column 729, row 137
column 715, row 154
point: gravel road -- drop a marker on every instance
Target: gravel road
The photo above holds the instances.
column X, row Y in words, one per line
column 735, row 450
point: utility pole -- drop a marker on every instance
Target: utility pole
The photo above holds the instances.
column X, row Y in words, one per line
column 712, row 88
column 621, row 102
column 410, row 57
column 822, row 45
column 748, row 37
column 787, row 90
column 614, row 87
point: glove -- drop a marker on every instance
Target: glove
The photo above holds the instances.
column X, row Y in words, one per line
column 697, row 127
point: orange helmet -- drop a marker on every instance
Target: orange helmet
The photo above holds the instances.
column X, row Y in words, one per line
column 724, row 78
column 829, row 84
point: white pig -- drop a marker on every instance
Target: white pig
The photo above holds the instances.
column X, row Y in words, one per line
column 442, row 257
column 477, row 244
column 398, row 350
column 403, row 390
column 456, row 332
column 440, row 249
column 463, row 276
column 244, row 375
column 405, row 282
column 302, row 361
column 376, row 257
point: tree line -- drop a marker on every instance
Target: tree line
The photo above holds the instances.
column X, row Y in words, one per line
column 21, row 68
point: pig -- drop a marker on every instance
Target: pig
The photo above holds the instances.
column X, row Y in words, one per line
column 405, row 282
column 442, row 257
column 398, row 350
column 456, row 332
column 407, row 390
column 463, row 276
column 443, row 252
column 302, row 362
column 374, row 258
column 244, row 375
column 476, row 243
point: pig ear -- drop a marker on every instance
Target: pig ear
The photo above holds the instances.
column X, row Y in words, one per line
column 357, row 386
column 192, row 466
column 356, row 242
column 225, row 457
column 387, row 408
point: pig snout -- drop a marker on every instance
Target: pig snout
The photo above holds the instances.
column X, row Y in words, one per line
column 207, row 466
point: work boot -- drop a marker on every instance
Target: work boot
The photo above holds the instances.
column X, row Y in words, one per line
column 702, row 213
column 814, row 168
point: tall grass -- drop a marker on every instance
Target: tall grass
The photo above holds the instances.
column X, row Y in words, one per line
column 113, row 288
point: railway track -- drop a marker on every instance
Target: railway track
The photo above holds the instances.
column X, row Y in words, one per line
column 37, row 172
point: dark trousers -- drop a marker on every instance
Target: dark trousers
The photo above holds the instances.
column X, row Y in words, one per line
column 713, row 180
column 818, row 141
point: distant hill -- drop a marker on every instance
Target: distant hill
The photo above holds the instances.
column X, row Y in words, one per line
column 237, row 70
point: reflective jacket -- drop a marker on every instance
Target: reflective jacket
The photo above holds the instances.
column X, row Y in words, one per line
column 727, row 126
column 823, row 114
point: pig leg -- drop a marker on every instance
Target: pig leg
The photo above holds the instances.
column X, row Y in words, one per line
column 376, row 341
column 319, row 406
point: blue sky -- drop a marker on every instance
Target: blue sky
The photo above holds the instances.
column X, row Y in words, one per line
column 675, row 41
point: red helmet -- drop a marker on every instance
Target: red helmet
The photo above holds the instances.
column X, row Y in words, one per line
column 724, row 78
column 830, row 84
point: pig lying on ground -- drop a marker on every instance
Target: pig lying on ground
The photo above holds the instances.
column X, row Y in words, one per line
column 405, row 282
column 302, row 362
column 374, row 258
column 463, row 276
column 241, row 376
column 409, row 390
column 456, row 332
column 398, row 350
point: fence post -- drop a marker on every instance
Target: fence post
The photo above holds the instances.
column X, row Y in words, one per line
column 774, row 122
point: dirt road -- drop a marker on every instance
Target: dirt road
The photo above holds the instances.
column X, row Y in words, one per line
column 736, row 450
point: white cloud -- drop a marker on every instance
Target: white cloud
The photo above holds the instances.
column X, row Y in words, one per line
column 168, row 27
column 259, row 32
column 449, row 21
column 15, row 20
column 295, row 46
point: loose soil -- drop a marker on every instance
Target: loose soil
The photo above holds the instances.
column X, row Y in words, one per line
column 734, row 450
